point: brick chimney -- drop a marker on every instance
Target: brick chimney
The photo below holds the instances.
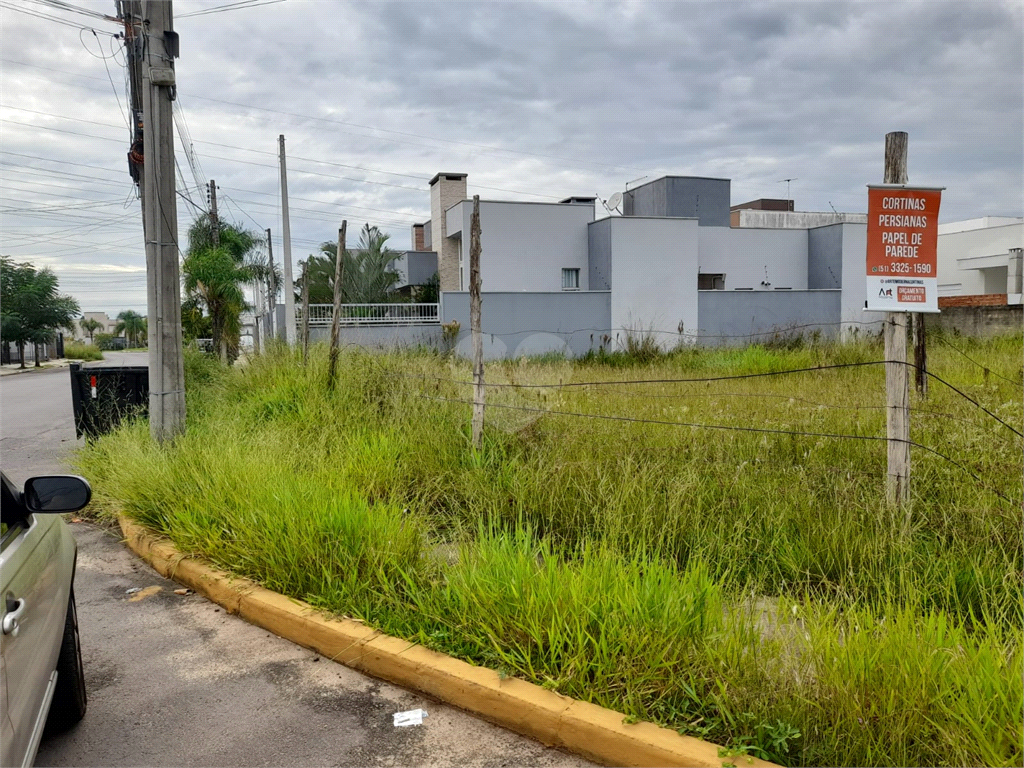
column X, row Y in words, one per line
column 417, row 237
column 446, row 189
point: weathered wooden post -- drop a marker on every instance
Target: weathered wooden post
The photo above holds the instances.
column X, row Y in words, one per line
column 339, row 275
column 305, row 311
column 474, row 324
column 897, row 383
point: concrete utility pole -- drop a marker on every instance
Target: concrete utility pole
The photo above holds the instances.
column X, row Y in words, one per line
column 897, row 382
column 214, row 219
column 339, row 275
column 166, row 367
column 286, row 229
column 271, row 289
column 474, row 325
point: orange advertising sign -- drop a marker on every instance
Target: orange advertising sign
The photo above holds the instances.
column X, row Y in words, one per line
column 903, row 235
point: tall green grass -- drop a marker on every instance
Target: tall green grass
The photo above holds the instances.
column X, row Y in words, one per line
column 749, row 588
column 74, row 350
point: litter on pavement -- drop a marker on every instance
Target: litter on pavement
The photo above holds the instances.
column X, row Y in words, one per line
column 412, row 717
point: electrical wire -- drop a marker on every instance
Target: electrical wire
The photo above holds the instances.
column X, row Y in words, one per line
column 729, row 428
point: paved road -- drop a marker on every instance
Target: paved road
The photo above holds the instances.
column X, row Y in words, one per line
column 175, row 681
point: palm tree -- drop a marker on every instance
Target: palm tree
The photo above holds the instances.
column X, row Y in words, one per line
column 367, row 274
column 132, row 325
column 216, row 273
column 90, row 325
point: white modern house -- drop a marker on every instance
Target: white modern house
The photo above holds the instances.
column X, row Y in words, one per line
column 557, row 277
column 981, row 257
column 679, row 264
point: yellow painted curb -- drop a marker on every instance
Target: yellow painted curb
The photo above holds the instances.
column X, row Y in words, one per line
column 594, row 732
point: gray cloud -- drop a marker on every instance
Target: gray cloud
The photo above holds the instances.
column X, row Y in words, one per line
column 544, row 98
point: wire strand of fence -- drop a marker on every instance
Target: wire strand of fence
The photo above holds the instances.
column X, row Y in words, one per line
column 956, row 349
column 733, row 377
column 730, row 428
column 969, row 399
column 793, row 398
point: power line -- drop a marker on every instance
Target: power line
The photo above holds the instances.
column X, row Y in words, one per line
column 566, row 162
column 240, row 6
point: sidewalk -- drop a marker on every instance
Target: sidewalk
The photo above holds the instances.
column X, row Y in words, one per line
column 12, row 368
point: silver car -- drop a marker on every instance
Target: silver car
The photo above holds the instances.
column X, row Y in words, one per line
column 40, row 657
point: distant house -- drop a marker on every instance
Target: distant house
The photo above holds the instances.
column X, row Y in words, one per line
column 672, row 266
column 979, row 261
column 109, row 325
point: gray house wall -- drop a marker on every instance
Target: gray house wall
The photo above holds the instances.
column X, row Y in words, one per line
column 415, row 267
column 854, row 281
column 383, row 337
column 825, row 257
column 516, row 324
column 653, row 277
column 705, row 199
column 747, row 257
column 737, row 318
column 599, row 235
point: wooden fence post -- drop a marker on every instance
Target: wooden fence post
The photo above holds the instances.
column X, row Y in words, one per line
column 920, row 355
column 897, row 382
column 474, row 324
column 305, row 311
column 339, row 274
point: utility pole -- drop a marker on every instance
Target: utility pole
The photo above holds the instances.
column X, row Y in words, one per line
column 214, row 219
column 257, row 302
column 166, row 367
column 286, row 229
column 474, row 325
column 897, row 382
column 339, row 275
column 271, row 289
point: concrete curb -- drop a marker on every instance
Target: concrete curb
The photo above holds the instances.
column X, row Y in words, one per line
column 594, row 732
column 31, row 368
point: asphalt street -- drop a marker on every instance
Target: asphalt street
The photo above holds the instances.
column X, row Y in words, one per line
column 173, row 680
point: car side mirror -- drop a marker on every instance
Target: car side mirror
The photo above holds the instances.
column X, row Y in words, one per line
column 56, row 493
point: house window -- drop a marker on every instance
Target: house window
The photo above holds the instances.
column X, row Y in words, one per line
column 570, row 279
column 707, row 281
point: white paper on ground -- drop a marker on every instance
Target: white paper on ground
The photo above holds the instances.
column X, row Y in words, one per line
column 412, row 717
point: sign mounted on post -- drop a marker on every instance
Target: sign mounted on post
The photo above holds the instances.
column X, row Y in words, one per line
column 903, row 234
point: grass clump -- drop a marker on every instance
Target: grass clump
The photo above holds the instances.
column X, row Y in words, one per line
column 749, row 588
column 74, row 350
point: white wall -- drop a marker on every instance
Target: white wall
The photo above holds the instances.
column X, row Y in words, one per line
column 855, row 291
column 654, row 277
column 744, row 255
column 524, row 246
column 964, row 255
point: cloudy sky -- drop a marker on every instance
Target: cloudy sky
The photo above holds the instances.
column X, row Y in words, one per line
column 535, row 101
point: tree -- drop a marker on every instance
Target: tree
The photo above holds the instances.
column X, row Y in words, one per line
column 90, row 325
column 31, row 309
column 368, row 276
column 215, row 275
column 430, row 291
column 133, row 325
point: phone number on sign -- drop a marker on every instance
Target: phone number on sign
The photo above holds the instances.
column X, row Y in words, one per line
column 903, row 268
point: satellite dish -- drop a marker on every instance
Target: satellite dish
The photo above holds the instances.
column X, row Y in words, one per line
column 615, row 201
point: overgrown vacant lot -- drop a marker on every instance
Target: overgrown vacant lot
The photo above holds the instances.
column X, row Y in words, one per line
column 749, row 587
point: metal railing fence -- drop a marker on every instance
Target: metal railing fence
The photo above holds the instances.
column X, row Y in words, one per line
column 373, row 314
